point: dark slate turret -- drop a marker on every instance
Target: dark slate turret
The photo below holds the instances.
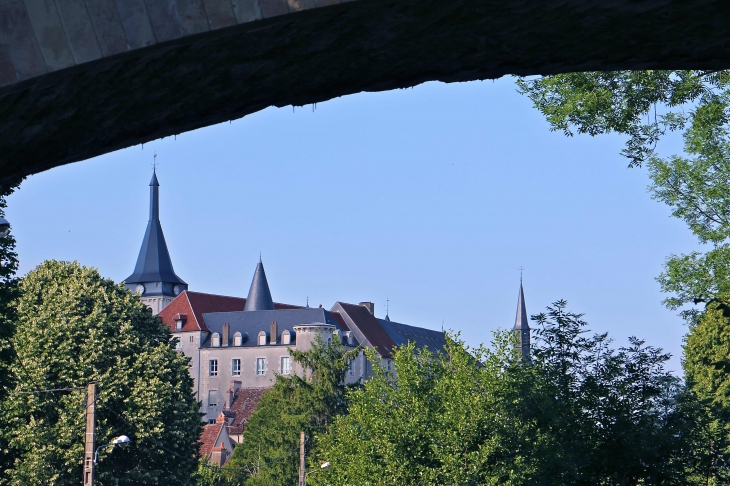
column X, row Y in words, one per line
column 259, row 295
column 522, row 327
column 153, row 275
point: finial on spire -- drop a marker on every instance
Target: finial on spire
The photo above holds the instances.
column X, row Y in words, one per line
column 307, row 301
column 521, row 270
column 154, row 163
column 260, row 261
column 387, row 309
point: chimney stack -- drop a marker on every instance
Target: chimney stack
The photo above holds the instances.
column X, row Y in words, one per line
column 226, row 332
column 369, row 306
column 274, row 333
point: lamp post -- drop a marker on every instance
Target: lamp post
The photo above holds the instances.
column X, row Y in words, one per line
column 121, row 441
column 322, row 467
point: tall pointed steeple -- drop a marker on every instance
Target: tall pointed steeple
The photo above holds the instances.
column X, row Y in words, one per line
column 259, row 295
column 522, row 327
column 153, row 276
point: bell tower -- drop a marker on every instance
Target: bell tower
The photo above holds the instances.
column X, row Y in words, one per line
column 154, row 278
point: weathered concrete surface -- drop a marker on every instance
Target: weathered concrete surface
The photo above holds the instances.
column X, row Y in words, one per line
column 79, row 78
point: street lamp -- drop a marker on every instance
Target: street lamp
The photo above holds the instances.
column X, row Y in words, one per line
column 121, row 441
column 323, row 466
column 4, row 227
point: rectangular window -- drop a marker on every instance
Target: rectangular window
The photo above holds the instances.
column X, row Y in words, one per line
column 285, row 367
column 236, row 367
column 178, row 344
column 387, row 364
column 212, row 398
column 260, row 366
column 191, row 339
column 213, row 369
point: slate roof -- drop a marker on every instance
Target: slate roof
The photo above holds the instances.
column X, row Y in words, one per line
column 250, row 323
column 154, row 263
column 401, row 334
column 259, row 294
column 195, row 304
column 521, row 318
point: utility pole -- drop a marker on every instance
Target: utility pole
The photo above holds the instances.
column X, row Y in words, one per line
column 90, row 441
column 302, row 476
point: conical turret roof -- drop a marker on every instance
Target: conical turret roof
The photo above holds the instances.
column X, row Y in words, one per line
column 521, row 318
column 154, row 263
column 259, row 295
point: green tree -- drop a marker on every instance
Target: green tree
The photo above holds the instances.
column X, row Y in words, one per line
column 580, row 413
column 8, row 293
column 444, row 418
column 612, row 414
column 706, row 366
column 73, row 327
column 645, row 106
column 268, row 453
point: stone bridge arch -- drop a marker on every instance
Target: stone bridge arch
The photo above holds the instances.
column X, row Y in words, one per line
column 79, row 78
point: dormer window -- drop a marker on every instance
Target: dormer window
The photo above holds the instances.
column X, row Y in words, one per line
column 237, row 339
column 215, row 340
column 179, row 321
column 262, row 338
column 286, row 337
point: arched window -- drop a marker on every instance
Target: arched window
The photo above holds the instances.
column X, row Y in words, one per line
column 237, row 339
column 215, row 340
column 262, row 338
column 286, row 337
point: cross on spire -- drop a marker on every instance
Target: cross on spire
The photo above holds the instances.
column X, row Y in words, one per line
column 521, row 270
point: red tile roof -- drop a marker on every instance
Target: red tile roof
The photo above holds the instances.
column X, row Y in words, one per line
column 208, row 438
column 337, row 317
column 195, row 304
column 370, row 328
column 244, row 405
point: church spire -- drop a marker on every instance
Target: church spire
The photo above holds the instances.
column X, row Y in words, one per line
column 522, row 327
column 153, row 274
column 259, row 295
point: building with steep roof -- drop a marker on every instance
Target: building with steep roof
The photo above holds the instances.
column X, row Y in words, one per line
column 153, row 277
column 237, row 346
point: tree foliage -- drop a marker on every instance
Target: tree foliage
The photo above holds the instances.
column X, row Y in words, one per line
column 74, row 327
column 580, row 413
column 268, row 454
column 706, row 366
column 645, row 105
column 8, row 293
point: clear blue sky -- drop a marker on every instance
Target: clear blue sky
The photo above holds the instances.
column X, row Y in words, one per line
column 431, row 197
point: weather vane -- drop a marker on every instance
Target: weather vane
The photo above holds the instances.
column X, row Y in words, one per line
column 154, row 162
